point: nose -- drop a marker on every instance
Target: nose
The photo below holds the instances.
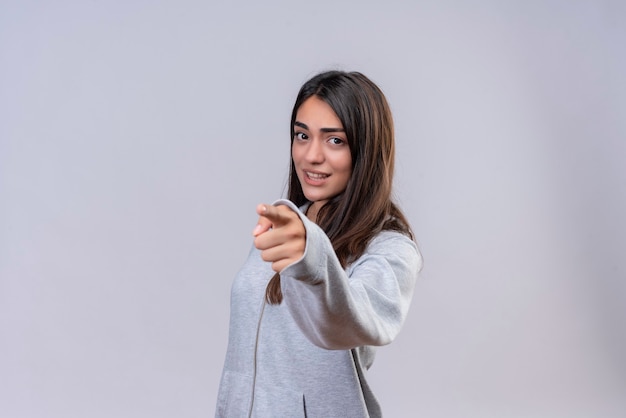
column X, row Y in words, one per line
column 315, row 152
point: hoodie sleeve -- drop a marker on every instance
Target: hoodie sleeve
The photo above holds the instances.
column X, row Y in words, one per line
column 365, row 304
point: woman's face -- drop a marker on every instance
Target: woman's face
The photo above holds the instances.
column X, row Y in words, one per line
column 320, row 152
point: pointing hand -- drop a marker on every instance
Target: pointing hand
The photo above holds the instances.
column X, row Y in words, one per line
column 280, row 235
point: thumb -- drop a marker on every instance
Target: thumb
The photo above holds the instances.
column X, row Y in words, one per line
column 263, row 224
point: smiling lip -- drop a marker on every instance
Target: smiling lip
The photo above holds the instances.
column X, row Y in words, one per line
column 315, row 178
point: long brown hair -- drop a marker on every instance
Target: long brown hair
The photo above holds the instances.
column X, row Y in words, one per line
column 365, row 208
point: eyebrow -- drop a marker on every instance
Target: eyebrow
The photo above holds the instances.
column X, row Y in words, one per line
column 304, row 126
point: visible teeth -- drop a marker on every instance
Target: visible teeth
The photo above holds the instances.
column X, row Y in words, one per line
column 316, row 176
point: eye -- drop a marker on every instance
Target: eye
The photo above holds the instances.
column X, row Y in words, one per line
column 301, row 136
column 336, row 141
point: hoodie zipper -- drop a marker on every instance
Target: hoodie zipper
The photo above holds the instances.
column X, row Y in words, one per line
column 256, row 347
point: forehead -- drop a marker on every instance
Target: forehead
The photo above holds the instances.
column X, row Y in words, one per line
column 316, row 113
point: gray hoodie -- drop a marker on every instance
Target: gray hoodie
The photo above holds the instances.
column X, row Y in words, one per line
column 308, row 356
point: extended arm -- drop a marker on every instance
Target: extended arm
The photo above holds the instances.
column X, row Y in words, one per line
column 366, row 304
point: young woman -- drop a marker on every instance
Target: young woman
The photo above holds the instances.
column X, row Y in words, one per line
column 333, row 268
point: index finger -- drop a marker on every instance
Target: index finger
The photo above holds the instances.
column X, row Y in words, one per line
column 277, row 215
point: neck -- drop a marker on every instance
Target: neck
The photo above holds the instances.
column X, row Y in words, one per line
column 312, row 211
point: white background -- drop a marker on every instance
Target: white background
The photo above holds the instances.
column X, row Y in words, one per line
column 136, row 138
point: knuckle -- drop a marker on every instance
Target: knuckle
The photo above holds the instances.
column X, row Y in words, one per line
column 292, row 234
column 265, row 256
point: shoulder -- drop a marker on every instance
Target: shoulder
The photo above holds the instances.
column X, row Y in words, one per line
column 389, row 241
column 393, row 246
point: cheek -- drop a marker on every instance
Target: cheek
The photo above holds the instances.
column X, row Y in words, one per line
column 346, row 163
column 344, row 166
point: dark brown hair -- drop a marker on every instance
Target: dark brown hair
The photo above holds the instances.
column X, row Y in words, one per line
column 365, row 208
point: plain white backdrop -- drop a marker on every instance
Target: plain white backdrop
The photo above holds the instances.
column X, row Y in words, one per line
column 137, row 137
